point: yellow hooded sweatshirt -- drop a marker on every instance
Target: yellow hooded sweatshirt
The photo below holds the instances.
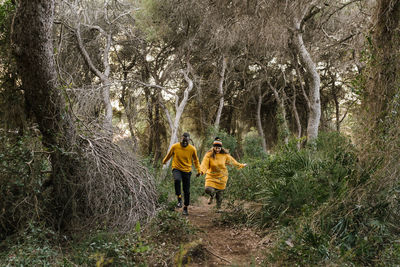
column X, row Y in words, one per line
column 183, row 157
column 215, row 169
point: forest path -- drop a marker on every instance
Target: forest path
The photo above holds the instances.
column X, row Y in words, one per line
column 224, row 245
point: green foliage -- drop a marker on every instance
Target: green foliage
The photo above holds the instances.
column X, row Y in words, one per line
column 151, row 245
column 22, row 175
column 235, row 214
column 6, row 10
column 253, row 146
column 153, row 19
column 325, row 214
column 102, row 248
column 295, row 182
column 33, row 247
column 171, row 226
column 326, row 208
column 246, row 182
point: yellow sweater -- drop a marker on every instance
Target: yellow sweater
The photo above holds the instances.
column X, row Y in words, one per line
column 215, row 169
column 183, row 157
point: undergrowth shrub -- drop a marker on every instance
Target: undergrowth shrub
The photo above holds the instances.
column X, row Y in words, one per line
column 151, row 245
column 243, row 184
column 295, row 182
column 34, row 246
column 171, row 226
column 348, row 219
column 253, row 146
column 24, row 169
column 234, row 215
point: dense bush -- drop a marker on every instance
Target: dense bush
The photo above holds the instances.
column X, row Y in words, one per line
column 294, row 182
column 252, row 146
column 152, row 245
column 326, row 207
column 34, row 246
column 23, row 171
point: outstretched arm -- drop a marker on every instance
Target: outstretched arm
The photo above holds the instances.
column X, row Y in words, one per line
column 231, row 161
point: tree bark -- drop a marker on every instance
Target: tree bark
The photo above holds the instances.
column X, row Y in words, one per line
column 384, row 79
column 259, row 123
column 314, row 95
column 33, row 50
column 296, row 115
column 221, row 93
column 179, row 108
column 103, row 76
column 129, row 107
column 283, row 127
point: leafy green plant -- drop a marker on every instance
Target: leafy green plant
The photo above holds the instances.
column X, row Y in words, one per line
column 253, row 147
column 22, row 175
column 171, row 226
column 33, row 247
column 245, row 183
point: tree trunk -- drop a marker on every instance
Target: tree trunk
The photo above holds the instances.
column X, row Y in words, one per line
column 384, row 79
column 103, row 76
column 221, row 93
column 179, row 108
column 128, row 107
column 314, row 94
column 283, row 127
column 296, row 115
column 33, row 49
column 259, row 123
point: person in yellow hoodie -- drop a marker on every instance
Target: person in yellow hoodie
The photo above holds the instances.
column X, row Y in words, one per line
column 214, row 166
column 184, row 155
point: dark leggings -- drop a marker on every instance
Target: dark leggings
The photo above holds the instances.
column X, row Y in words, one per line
column 185, row 178
column 215, row 192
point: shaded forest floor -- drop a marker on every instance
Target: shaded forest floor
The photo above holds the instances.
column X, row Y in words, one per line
column 224, row 244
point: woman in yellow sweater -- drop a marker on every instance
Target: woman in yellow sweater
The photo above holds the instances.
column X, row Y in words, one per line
column 214, row 166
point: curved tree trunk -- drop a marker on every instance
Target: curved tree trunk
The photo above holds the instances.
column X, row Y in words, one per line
column 179, row 108
column 259, row 123
column 33, row 49
column 314, row 95
column 103, row 76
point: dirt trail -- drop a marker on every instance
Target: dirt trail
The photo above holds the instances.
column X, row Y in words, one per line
column 224, row 245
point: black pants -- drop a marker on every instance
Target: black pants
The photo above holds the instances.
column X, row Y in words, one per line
column 185, row 178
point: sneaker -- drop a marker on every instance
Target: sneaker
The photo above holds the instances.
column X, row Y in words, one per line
column 179, row 205
column 185, row 211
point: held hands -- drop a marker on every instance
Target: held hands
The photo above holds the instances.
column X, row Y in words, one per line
column 199, row 173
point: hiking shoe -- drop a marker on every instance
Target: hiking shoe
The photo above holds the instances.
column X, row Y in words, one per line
column 210, row 201
column 179, row 205
column 185, row 211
